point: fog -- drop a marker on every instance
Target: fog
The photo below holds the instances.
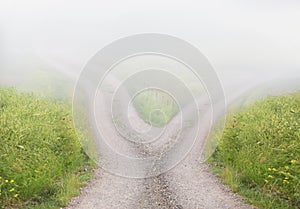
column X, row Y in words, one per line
column 246, row 42
column 252, row 46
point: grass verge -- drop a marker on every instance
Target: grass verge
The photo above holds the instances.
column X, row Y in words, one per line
column 42, row 164
column 258, row 155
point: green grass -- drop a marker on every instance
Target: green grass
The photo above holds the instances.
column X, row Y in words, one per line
column 41, row 160
column 258, row 155
column 155, row 107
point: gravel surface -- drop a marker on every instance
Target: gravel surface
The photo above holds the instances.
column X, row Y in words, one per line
column 186, row 186
column 189, row 184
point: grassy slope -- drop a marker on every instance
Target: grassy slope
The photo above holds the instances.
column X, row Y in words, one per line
column 41, row 160
column 259, row 152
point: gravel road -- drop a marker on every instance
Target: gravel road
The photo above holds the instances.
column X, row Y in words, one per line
column 189, row 184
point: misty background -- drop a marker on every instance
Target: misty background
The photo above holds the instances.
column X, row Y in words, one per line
column 246, row 42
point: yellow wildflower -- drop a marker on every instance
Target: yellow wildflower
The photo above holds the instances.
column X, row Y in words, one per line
column 11, row 190
column 269, row 169
column 6, row 181
column 266, row 181
column 270, row 176
column 286, row 167
column 286, row 181
column 16, row 195
column 293, row 162
column 12, row 181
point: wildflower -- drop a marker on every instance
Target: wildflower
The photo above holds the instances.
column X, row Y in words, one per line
column 274, row 169
column 6, row 181
column 266, row 181
column 293, row 162
column 286, row 167
column 286, row 181
column 11, row 190
column 269, row 169
column 270, row 176
column 12, row 181
column 16, row 195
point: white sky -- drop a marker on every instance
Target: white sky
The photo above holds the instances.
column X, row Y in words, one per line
column 236, row 35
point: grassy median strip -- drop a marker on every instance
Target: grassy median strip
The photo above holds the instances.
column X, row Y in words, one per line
column 259, row 152
column 155, row 107
column 41, row 161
